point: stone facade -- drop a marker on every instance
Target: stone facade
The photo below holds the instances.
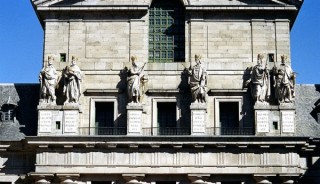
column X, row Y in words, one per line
column 226, row 138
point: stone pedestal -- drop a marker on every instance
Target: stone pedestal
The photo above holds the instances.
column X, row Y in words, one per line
column 263, row 118
column 134, row 119
column 287, row 114
column 58, row 119
column 271, row 120
column 198, row 118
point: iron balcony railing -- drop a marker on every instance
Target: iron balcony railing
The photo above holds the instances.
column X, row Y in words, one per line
column 102, row 130
column 230, row 131
column 166, row 131
column 174, row 131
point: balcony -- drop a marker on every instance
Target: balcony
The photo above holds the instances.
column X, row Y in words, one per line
column 168, row 131
column 102, row 130
column 165, row 131
column 216, row 131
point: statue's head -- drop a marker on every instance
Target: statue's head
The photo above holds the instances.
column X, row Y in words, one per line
column 283, row 59
column 50, row 60
column 133, row 58
column 259, row 59
column 197, row 58
column 74, row 60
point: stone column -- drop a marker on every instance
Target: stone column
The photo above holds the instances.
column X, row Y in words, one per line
column 133, row 178
column 42, row 181
column 289, row 181
column 134, row 119
column 198, row 178
column 42, row 178
column 68, row 178
column 198, row 118
column 262, row 180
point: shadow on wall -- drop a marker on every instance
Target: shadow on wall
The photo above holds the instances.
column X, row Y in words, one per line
column 312, row 173
column 17, row 163
column 315, row 113
column 69, row 2
column 28, row 100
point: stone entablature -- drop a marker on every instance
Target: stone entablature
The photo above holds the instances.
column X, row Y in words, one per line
column 248, row 155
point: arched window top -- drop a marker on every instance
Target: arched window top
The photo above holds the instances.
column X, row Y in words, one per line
column 166, row 31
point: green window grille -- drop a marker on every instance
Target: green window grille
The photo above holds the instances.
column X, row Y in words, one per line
column 166, row 31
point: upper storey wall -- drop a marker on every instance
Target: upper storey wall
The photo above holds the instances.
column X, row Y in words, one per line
column 104, row 34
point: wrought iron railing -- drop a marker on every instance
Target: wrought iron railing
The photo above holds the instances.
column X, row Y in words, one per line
column 230, row 131
column 102, row 130
column 165, row 131
column 158, row 131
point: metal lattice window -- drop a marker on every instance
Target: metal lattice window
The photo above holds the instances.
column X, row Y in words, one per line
column 166, row 32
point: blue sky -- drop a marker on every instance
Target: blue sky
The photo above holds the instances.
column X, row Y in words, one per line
column 21, row 43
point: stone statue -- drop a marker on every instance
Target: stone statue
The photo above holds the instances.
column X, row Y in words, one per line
column 198, row 81
column 135, row 76
column 259, row 81
column 48, row 81
column 72, row 82
column 284, row 81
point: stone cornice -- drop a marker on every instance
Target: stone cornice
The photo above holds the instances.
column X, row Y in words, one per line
column 241, row 8
column 93, row 8
column 194, row 142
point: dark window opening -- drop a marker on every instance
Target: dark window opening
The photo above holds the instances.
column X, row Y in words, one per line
column 271, row 57
column 275, row 125
column 166, row 31
column 8, row 116
column 63, row 57
column 104, row 118
column 229, row 118
column 8, row 112
column 58, row 125
column 167, row 120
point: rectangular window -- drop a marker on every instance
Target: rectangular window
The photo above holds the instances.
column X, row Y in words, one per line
column 167, row 119
column 63, row 57
column 271, row 57
column 229, row 118
column 275, row 125
column 104, row 118
column 58, row 125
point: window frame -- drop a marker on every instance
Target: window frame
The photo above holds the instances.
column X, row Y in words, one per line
column 155, row 102
column 92, row 113
column 218, row 100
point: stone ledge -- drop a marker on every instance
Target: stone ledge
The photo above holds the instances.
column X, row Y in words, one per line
column 242, row 8
column 94, row 8
column 100, row 91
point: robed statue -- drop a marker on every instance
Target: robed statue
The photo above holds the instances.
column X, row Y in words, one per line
column 284, row 81
column 48, row 82
column 259, row 81
column 72, row 82
column 135, row 80
column 198, row 81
